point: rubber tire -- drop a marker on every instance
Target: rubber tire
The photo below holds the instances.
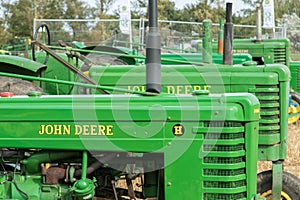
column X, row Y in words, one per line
column 99, row 59
column 290, row 184
column 17, row 86
column 296, row 98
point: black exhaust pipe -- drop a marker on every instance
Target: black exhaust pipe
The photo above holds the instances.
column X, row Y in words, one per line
column 228, row 36
column 153, row 51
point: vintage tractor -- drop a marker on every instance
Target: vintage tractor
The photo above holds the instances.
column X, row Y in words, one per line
column 269, row 82
column 80, row 146
column 17, row 45
column 195, row 146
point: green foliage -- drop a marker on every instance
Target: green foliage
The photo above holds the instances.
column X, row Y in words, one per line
column 18, row 15
column 20, row 19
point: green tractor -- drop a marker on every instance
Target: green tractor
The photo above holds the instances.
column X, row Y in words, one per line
column 180, row 132
column 17, row 46
column 160, row 146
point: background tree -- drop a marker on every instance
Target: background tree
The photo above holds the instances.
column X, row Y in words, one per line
column 4, row 36
column 76, row 9
column 139, row 9
column 103, row 6
column 19, row 17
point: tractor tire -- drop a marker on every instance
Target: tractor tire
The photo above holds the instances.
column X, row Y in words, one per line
column 98, row 59
column 290, row 186
column 294, row 109
column 296, row 97
column 17, row 86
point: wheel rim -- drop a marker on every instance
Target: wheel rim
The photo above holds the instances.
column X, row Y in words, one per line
column 45, row 39
column 293, row 110
column 268, row 195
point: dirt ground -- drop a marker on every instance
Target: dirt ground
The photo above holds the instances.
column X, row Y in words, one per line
column 292, row 162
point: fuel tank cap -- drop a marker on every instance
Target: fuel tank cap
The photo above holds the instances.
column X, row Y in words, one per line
column 7, row 94
column 34, row 94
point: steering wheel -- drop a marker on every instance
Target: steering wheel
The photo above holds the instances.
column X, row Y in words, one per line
column 41, row 34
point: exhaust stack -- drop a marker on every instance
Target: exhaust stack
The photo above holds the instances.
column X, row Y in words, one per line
column 207, row 42
column 228, row 36
column 258, row 24
column 153, row 51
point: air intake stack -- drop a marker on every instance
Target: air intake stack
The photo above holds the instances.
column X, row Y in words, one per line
column 228, row 36
column 153, row 51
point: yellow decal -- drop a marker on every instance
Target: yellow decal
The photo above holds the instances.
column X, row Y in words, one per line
column 173, row 89
column 240, row 51
column 178, row 130
column 56, row 129
column 88, row 129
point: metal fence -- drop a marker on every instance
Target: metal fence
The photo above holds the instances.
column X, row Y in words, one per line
column 175, row 35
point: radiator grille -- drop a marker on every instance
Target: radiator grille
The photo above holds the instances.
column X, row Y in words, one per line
column 269, row 124
column 280, row 55
column 224, row 163
column 224, row 197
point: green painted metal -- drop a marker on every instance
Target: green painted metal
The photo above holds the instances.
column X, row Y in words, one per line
column 270, row 83
column 78, row 84
column 19, row 65
column 277, row 180
column 166, row 58
column 57, row 71
column 205, row 144
column 196, row 58
column 17, row 45
column 295, row 80
column 206, row 40
column 265, row 52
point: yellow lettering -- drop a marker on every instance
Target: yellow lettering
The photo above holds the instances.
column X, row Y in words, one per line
column 179, row 89
column 93, row 130
column 143, row 88
column 136, row 88
column 206, row 87
column 60, row 129
column 67, row 129
column 78, row 129
column 170, row 90
column 101, row 130
column 197, row 87
column 49, row 129
column 85, row 129
column 57, row 129
column 42, row 130
column 177, row 130
column 187, row 89
column 109, row 130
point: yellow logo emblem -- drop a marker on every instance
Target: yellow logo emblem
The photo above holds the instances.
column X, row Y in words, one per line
column 178, row 130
